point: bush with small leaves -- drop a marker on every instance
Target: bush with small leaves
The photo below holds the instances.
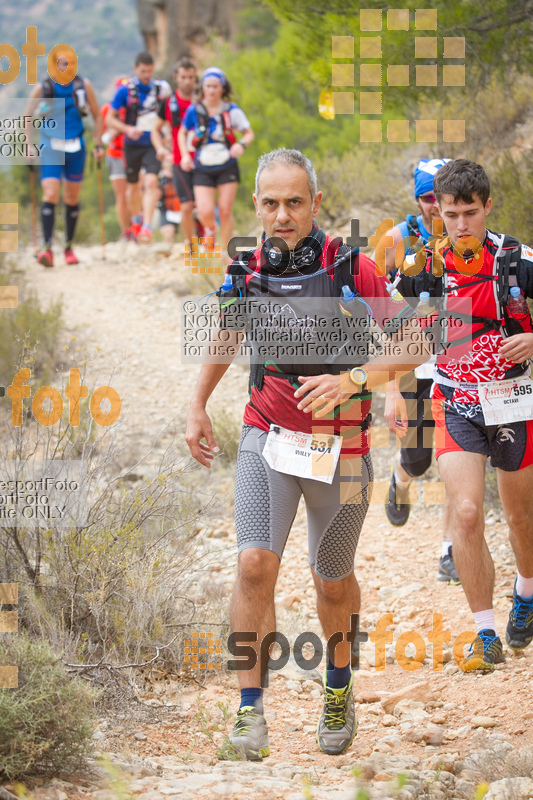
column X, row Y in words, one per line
column 45, row 724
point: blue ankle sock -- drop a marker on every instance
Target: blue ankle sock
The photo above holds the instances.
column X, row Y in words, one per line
column 338, row 677
column 252, row 697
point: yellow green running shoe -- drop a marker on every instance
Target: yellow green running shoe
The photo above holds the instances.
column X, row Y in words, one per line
column 337, row 725
column 249, row 736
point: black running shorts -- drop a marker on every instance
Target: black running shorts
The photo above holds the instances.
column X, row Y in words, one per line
column 226, row 174
column 266, row 502
column 183, row 184
column 461, row 428
column 137, row 156
column 417, row 445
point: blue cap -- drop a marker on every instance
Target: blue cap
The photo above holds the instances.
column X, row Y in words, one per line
column 515, row 291
column 425, row 171
column 215, row 72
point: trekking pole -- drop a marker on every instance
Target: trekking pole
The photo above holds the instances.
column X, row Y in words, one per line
column 101, row 205
column 33, row 208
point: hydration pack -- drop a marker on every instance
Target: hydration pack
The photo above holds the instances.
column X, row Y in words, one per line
column 79, row 95
column 412, row 226
column 202, row 134
column 336, row 259
column 134, row 104
column 175, row 113
column 507, row 262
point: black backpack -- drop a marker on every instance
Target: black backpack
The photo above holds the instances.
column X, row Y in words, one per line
column 79, row 95
column 133, row 103
column 175, row 113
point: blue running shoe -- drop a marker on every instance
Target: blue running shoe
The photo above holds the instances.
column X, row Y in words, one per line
column 519, row 631
column 486, row 646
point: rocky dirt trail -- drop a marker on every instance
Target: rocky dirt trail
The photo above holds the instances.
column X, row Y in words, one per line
column 422, row 733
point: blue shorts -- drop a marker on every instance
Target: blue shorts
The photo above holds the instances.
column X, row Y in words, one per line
column 53, row 166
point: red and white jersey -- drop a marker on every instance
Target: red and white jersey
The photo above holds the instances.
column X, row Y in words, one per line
column 476, row 295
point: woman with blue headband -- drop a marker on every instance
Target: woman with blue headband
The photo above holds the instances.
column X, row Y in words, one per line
column 209, row 128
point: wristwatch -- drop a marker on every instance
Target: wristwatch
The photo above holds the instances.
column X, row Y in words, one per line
column 358, row 376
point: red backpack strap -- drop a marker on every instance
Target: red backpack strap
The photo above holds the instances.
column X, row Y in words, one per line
column 226, row 121
column 48, row 88
column 255, row 263
column 329, row 254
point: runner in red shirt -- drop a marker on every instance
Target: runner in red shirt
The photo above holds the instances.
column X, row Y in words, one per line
column 483, row 393
column 171, row 112
column 302, row 396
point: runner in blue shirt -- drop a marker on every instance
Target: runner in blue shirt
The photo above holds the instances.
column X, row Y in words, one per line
column 63, row 155
column 209, row 129
column 140, row 97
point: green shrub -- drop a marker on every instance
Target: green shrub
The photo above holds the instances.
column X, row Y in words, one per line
column 511, row 187
column 45, row 724
column 116, row 582
column 25, row 327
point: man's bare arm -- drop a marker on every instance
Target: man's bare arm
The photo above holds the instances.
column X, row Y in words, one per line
column 387, row 255
column 94, row 108
column 198, row 422
column 157, row 139
column 114, row 122
column 407, row 349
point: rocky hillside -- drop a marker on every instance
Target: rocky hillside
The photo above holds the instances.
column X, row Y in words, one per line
column 173, row 28
column 105, row 36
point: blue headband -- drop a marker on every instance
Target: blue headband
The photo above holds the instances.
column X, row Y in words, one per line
column 215, row 72
column 425, row 171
